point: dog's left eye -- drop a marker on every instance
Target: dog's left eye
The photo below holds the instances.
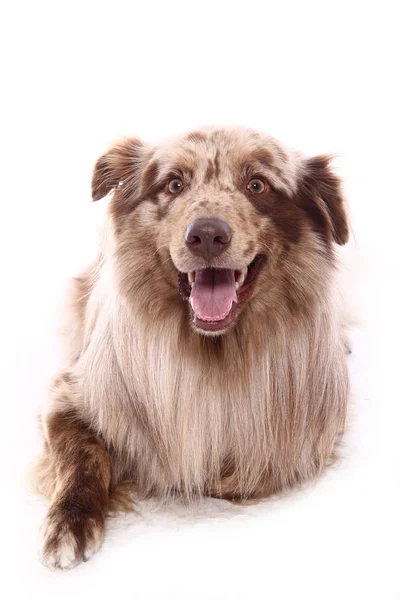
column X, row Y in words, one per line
column 256, row 186
column 175, row 186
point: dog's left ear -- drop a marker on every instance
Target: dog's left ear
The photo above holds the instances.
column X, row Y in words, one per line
column 117, row 166
column 321, row 196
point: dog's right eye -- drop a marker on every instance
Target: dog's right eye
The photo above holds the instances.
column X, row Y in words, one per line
column 256, row 186
column 175, row 186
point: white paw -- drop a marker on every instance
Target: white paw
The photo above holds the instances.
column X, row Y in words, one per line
column 68, row 540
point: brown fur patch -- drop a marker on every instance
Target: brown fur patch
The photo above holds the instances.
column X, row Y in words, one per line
column 81, row 492
column 282, row 212
column 150, row 185
column 217, row 164
column 263, row 156
column 209, row 172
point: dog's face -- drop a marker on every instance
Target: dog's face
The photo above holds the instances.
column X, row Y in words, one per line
column 220, row 217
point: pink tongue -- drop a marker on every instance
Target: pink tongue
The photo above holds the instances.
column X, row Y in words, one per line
column 212, row 294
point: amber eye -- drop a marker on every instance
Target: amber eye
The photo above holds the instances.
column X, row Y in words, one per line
column 256, row 186
column 175, row 186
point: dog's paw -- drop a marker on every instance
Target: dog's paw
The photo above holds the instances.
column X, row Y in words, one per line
column 69, row 536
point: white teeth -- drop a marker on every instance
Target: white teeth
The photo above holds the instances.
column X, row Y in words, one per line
column 191, row 302
column 241, row 278
column 191, row 277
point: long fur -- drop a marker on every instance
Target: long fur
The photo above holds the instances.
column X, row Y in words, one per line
column 242, row 415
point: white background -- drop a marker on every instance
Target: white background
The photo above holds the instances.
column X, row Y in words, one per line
column 320, row 76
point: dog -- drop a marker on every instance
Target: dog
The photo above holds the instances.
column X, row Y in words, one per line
column 204, row 354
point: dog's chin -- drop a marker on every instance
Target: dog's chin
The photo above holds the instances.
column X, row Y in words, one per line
column 217, row 296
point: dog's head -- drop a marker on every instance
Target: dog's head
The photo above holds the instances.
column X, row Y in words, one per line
column 218, row 218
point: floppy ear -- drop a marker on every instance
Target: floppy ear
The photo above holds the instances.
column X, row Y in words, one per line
column 117, row 166
column 321, row 196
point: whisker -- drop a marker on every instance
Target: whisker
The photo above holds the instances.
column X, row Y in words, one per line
column 266, row 246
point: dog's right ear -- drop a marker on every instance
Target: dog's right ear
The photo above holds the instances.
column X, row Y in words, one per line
column 118, row 165
column 321, row 196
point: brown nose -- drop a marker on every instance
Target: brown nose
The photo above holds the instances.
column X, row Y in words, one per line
column 208, row 237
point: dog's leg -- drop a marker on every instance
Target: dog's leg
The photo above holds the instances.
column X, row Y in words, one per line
column 74, row 527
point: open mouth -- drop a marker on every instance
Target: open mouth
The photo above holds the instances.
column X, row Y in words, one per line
column 214, row 294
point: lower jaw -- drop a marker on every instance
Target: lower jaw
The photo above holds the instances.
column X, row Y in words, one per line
column 215, row 326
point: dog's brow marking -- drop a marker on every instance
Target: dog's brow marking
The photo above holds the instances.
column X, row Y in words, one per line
column 263, row 156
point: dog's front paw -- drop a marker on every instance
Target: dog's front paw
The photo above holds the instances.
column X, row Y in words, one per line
column 70, row 534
